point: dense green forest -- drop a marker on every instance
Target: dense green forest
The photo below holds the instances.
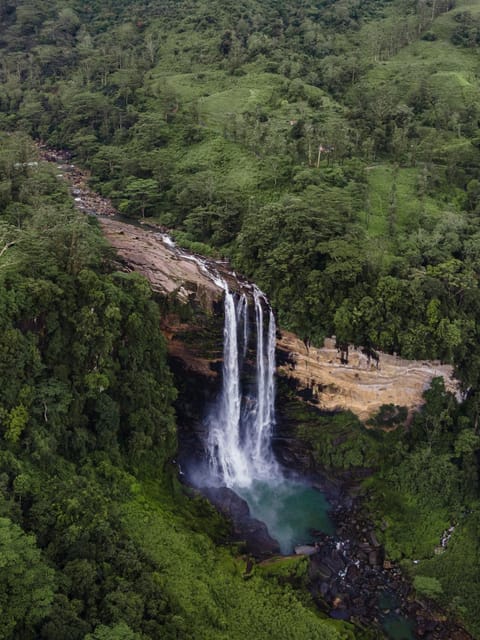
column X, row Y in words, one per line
column 97, row 539
column 331, row 150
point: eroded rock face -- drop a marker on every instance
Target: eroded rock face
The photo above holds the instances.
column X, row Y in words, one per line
column 169, row 271
column 362, row 385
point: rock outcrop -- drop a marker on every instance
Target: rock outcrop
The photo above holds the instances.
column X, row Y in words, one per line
column 246, row 528
column 363, row 384
column 171, row 272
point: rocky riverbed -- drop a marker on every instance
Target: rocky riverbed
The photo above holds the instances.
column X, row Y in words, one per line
column 85, row 198
column 349, row 577
column 351, row 580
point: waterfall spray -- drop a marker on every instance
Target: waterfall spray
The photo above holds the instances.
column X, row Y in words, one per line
column 241, row 422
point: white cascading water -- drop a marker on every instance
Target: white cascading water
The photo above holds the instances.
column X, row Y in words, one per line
column 240, row 425
column 242, row 322
column 260, row 435
column 241, row 422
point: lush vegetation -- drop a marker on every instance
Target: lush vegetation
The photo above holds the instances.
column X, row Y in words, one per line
column 423, row 480
column 332, row 150
column 97, row 540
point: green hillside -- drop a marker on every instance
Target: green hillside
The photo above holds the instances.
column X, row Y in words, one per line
column 351, row 121
column 331, row 150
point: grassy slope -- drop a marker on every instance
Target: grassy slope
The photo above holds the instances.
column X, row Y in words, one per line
column 186, row 69
column 457, row 570
column 213, row 600
column 189, row 70
column 449, row 72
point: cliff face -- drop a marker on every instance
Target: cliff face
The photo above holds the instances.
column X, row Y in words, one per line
column 362, row 385
column 191, row 299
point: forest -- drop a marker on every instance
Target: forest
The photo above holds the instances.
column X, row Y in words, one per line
column 331, row 151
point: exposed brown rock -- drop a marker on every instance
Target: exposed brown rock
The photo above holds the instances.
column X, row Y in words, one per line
column 174, row 275
column 363, row 385
column 169, row 271
column 192, row 361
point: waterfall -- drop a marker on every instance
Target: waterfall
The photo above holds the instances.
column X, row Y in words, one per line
column 241, row 422
column 242, row 320
column 265, row 395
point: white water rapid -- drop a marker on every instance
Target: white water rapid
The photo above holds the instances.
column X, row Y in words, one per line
column 241, row 422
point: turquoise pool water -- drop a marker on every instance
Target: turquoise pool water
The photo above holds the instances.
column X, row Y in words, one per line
column 289, row 509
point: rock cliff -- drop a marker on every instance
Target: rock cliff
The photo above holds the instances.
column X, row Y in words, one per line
column 319, row 375
column 361, row 385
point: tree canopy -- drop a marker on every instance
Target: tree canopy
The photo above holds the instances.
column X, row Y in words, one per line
column 331, row 151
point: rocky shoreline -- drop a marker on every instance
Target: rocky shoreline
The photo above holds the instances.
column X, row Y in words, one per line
column 350, row 579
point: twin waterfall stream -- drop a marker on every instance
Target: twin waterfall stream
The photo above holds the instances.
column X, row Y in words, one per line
column 240, row 427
